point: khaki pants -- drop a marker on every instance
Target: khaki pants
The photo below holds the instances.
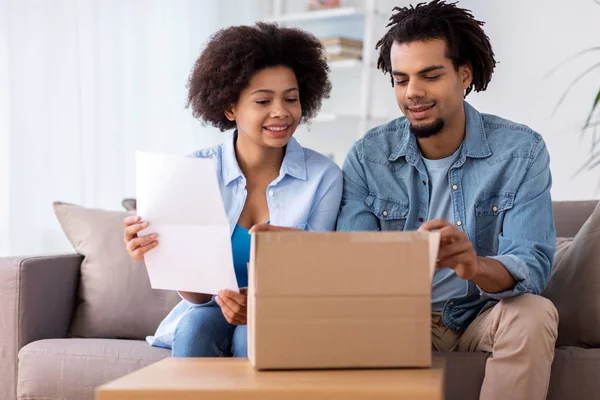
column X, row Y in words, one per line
column 520, row 333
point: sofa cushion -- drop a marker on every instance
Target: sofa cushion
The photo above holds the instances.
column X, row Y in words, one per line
column 115, row 299
column 73, row 368
column 562, row 245
column 569, row 216
column 574, row 286
column 575, row 374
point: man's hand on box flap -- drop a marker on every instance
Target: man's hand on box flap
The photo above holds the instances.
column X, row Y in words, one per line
column 233, row 305
column 271, row 228
column 456, row 250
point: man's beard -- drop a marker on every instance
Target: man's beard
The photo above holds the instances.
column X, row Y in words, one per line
column 429, row 130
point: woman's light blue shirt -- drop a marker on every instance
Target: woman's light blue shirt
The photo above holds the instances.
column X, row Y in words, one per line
column 305, row 195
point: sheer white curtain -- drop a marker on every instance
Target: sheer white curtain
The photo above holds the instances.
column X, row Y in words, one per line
column 83, row 85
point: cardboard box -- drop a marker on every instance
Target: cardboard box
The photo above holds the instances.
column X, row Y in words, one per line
column 340, row 299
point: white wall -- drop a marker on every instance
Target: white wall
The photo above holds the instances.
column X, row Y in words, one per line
column 4, row 137
column 529, row 39
column 84, row 84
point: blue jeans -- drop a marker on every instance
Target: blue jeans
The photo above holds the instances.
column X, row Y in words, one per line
column 204, row 332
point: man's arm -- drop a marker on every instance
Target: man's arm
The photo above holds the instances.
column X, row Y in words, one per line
column 526, row 245
column 492, row 276
column 528, row 239
column 456, row 251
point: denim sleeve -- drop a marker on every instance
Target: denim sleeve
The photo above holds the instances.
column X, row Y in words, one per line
column 354, row 213
column 528, row 240
column 327, row 205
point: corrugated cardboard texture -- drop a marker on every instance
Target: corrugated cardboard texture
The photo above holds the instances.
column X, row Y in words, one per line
column 343, row 333
column 340, row 300
column 341, row 263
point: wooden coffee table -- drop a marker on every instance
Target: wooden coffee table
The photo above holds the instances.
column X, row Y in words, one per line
column 230, row 378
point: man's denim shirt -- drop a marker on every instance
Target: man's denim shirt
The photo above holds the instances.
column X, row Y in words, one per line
column 500, row 189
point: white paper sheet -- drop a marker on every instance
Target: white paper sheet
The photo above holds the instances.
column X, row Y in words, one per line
column 180, row 198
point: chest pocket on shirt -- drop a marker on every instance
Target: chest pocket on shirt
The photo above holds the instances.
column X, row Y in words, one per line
column 489, row 217
column 391, row 214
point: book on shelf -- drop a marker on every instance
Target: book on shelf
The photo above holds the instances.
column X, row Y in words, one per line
column 342, row 41
column 340, row 48
column 342, row 57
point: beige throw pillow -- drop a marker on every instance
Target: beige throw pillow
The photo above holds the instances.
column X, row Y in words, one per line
column 574, row 286
column 115, row 297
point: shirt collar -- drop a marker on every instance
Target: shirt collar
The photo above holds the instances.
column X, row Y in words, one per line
column 231, row 169
column 475, row 144
column 294, row 162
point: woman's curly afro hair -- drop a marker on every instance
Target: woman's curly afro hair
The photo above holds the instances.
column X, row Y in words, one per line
column 233, row 55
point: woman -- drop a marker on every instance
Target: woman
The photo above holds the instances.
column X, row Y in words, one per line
column 262, row 81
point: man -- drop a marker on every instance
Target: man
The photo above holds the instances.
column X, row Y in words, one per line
column 483, row 182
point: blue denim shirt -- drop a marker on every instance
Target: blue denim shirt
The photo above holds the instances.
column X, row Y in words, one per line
column 305, row 195
column 500, row 190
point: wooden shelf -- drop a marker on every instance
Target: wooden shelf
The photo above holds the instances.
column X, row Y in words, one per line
column 344, row 64
column 316, row 15
column 357, row 21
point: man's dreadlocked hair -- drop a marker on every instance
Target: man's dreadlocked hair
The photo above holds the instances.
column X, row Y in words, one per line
column 466, row 41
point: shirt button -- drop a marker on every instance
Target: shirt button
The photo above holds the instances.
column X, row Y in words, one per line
column 459, row 223
column 494, row 209
column 385, row 213
column 420, row 219
column 271, row 193
column 424, row 182
column 454, row 187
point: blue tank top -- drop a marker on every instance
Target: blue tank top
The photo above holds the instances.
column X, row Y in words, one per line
column 240, row 246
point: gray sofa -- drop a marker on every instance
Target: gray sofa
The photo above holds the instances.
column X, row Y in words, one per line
column 38, row 361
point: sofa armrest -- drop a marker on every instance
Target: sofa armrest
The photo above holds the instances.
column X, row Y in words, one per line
column 42, row 293
column 37, row 299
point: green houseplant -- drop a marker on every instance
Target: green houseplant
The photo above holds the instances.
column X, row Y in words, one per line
column 591, row 126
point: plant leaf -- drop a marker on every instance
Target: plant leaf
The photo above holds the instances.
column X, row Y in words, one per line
column 591, row 162
column 570, row 58
column 589, row 118
column 594, row 165
column 577, row 79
